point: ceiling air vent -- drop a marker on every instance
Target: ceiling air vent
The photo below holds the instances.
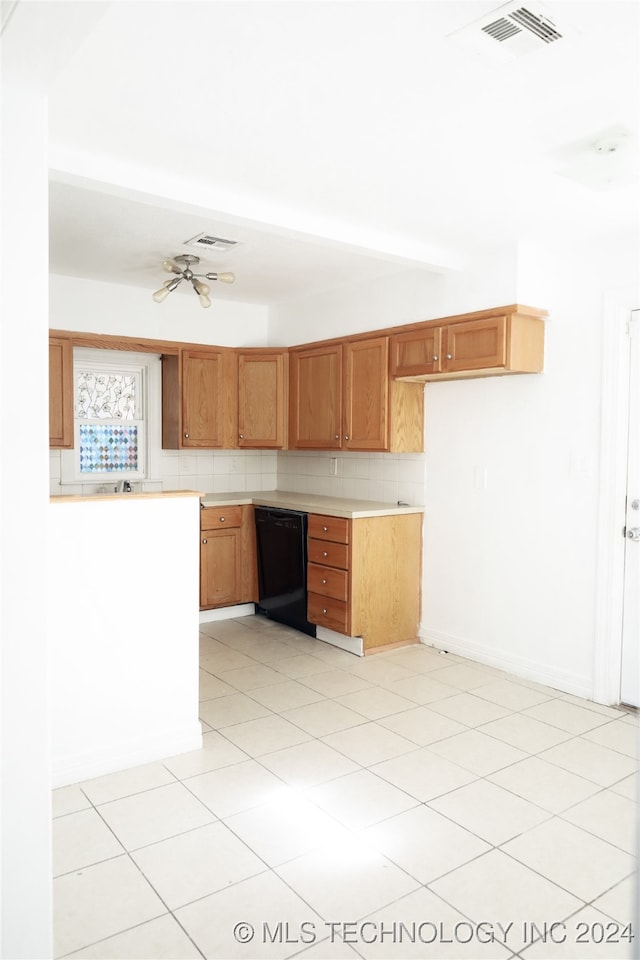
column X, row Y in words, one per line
column 205, row 241
column 511, row 31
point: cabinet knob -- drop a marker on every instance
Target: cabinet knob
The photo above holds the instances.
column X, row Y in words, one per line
column 346, row 436
column 204, row 541
column 324, row 553
column 324, row 609
column 222, row 519
column 325, row 529
column 337, row 436
column 324, row 581
column 449, row 356
column 186, row 436
column 241, row 436
column 434, row 357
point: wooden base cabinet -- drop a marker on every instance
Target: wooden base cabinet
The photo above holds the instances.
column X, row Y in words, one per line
column 228, row 572
column 364, row 577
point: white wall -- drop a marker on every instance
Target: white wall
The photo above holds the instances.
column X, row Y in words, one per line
column 92, row 306
column 31, row 53
column 400, row 297
column 25, row 839
column 123, row 581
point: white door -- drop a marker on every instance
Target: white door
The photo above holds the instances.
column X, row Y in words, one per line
column 630, row 672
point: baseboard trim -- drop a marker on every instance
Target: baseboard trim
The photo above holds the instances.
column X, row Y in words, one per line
column 350, row 644
column 523, row 667
column 227, row 613
column 74, row 768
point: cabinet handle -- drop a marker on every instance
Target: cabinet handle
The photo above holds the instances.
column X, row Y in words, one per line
column 324, row 553
column 186, row 436
column 204, row 541
column 449, row 356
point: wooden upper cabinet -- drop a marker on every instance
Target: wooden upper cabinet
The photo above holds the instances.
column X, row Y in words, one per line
column 477, row 345
column 487, row 343
column 419, row 351
column 315, row 397
column 262, row 399
column 60, row 393
column 342, row 398
column 366, row 393
column 199, row 399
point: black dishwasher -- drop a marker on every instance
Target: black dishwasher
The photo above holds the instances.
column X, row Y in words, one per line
column 281, row 540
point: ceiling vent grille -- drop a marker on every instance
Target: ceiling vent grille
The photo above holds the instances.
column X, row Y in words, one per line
column 511, row 31
column 205, row 241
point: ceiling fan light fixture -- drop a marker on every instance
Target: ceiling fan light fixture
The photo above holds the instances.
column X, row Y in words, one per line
column 222, row 277
column 181, row 265
column 200, row 287
column 171, row 267
column 161, row 294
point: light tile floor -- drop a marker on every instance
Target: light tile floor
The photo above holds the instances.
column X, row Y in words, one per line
column 409, row 804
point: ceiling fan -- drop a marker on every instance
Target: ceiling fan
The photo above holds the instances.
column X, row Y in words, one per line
column 181, row 267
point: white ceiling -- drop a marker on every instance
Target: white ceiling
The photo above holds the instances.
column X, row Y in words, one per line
column 336, row 140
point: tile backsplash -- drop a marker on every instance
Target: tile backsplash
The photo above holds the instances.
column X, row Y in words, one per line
column 211, row 471
column 365, row 476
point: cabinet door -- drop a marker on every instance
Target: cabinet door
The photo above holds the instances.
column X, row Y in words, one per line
column 209, row 385
column 315, row 416
column 60, row 393
column 261, row 400
column 220, row 567
column 416, row 353
column 475, row 345
column 366, row 415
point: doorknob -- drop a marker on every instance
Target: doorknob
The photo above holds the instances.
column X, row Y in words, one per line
column 633, row 533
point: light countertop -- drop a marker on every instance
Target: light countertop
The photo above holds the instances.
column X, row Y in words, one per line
column 134, row 495
column 309, row 503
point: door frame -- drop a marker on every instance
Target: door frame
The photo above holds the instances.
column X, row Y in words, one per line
column 614, row 426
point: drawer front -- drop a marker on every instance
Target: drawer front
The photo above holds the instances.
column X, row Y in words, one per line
column 329, row 554
column 329, row 528
column 217, row 518
column 327, row 581
column 328, row 612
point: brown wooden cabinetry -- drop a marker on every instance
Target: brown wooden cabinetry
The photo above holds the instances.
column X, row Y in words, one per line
column 199, row 398
column 60, row 393
column 315, row 398
column 228, row 572
column 342, row 398
column 363, row 577
column 487, row 343
column 262, row 399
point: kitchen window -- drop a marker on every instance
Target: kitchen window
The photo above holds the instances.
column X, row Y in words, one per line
column 111, row 393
